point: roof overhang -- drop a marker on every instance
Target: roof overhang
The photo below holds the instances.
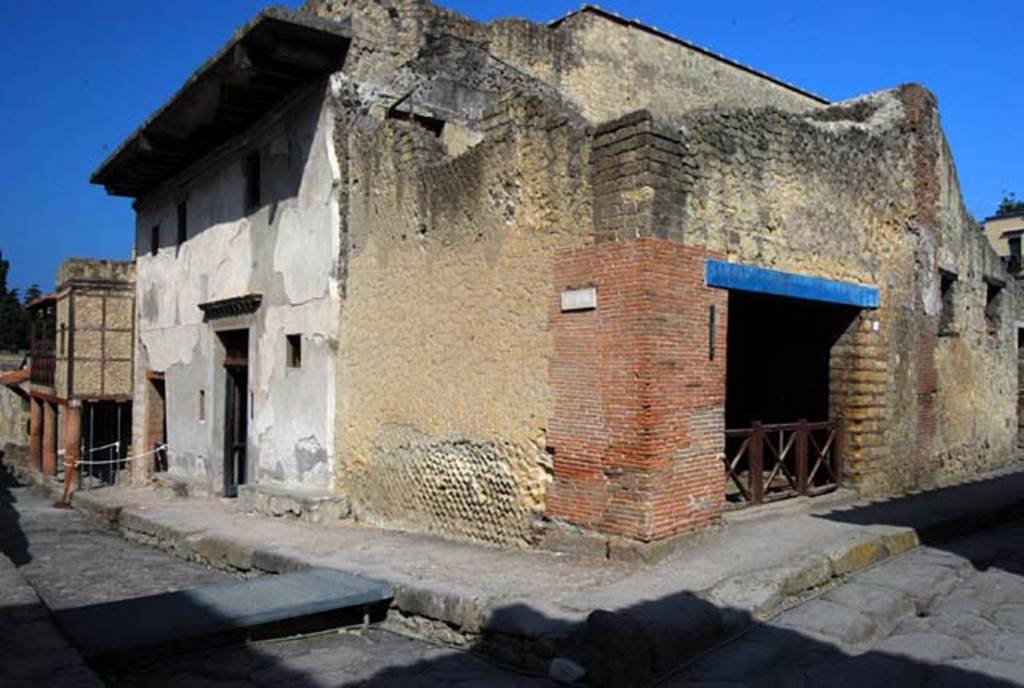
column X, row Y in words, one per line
column 264, row 62
column 14, row 379
column 41, row 301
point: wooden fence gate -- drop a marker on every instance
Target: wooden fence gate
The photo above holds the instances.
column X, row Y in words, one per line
column 769, row 462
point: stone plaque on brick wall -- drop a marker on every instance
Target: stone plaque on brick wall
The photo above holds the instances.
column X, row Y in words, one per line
column 579, row 299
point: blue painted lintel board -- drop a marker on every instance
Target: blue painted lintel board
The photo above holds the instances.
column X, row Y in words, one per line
column 764, row 281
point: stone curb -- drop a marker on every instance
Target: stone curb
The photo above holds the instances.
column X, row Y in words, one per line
column 532, row 632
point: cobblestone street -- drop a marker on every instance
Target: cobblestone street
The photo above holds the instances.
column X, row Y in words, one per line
column 70, row 562
column 951, row 615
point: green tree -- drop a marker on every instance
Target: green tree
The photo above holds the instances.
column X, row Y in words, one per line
column 13, row 319
column 32, row 293
column 1010, row 205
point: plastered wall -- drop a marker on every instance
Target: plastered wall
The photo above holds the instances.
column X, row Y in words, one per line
column 286, row 250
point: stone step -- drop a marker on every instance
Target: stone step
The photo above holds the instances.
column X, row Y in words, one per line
column 312, row 506
column 177, row 486
column 137, row 629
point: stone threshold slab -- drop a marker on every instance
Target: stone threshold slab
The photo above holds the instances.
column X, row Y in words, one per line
column 178, row 618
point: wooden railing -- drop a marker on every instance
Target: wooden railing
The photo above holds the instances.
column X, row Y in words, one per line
column 768, row 462
column 43, row 366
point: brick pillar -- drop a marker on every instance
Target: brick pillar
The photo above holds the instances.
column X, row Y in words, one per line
column 638, row 425
column 49, row 438
column 35, row 437
column 639, row 381
column 72, row 441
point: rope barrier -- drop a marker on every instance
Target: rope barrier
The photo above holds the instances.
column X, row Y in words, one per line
column 105, row 446
column 90, row 462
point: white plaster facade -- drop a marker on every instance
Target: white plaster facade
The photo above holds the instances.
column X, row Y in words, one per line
column 285, row 249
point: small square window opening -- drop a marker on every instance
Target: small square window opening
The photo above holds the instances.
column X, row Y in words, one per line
column 947, row 319
column 993, row 306
column 182, row 222
column 294, row 351
column 253, row 182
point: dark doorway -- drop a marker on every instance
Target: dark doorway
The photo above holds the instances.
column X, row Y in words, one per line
column 156, row 421
column 779, row 350
column 107, row 438
column 236, row 411
column 780, row 441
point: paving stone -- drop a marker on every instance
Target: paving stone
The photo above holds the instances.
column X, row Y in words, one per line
column 937, row 557
column 922, row 582
column 1002, row 646
column 76, row 564
column 828, row 620
column 961, row 625
column 885, row 606
column 948, row 624
column 997, row 587
column 677, row 627
column 925, row 647
column 1010, row 618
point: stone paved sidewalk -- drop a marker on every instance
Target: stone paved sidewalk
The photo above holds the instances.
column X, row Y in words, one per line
column 527, row 607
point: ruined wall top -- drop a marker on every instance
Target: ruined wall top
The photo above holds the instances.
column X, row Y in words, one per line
column 602, row 65
column 95, row 272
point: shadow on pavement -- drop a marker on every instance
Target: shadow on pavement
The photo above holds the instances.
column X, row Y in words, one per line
column 940, row 514
column 649, row 644
column 34, row 652
column 655, row 643
column 13, row 542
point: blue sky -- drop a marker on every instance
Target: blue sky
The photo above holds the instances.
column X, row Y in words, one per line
column 80, row 75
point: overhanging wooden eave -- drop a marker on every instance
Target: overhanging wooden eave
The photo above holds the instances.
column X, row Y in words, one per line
column 263, row 63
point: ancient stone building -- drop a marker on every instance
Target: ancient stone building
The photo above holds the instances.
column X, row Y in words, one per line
column 80, row 371
column 532, row 284
column 1005, row 233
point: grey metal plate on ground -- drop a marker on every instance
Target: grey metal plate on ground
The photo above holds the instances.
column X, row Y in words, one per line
column 116, row 627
